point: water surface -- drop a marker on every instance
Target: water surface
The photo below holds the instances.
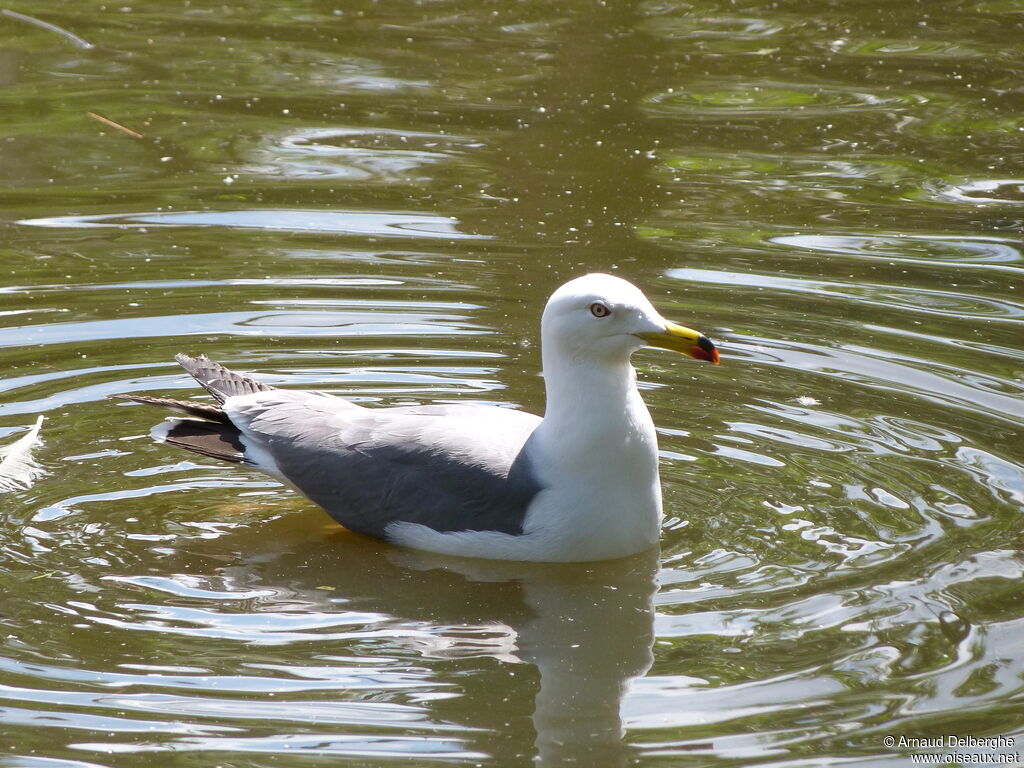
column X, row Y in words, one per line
column 375, row 199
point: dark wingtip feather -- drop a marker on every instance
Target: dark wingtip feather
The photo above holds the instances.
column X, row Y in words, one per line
column 218, row 441
column 190, row 407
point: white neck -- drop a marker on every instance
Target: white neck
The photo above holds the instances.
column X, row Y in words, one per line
column 575, row 384
column 595, row 412
column 600, row 455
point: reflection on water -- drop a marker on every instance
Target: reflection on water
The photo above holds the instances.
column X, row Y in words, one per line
column 375, row 199
column 567, row 640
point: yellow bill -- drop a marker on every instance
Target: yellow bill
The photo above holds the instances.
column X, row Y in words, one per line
column 678, row 338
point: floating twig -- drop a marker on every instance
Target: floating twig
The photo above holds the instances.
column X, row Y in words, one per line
column 51, row 27
column 112, row 124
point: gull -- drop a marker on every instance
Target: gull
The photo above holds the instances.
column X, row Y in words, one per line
column 580, row 484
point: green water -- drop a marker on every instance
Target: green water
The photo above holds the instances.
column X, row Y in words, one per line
column 375, row 199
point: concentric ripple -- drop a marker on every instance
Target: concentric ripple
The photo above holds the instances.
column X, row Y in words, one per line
column 763, row 98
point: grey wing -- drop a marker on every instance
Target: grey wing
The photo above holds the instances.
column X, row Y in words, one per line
column 452, row 468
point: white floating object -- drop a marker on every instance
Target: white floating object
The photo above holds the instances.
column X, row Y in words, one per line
column 18, row 470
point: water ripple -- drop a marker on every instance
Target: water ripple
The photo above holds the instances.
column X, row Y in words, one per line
column 409, row 225
column 353, row 154
column 874, row 368
column 928, row 249
column 786, row 100
column 979, row 192
column 260, row 323
column 931, row 301
column 321, row 744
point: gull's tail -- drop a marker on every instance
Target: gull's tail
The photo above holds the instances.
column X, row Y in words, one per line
column 210, row 431
column 218, row 380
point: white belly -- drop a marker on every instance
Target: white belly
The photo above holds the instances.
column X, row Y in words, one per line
column 595, row 512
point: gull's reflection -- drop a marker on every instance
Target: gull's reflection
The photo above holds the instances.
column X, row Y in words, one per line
column 572, row 636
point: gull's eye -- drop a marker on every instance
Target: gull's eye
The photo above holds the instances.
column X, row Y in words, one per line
column 597, row 309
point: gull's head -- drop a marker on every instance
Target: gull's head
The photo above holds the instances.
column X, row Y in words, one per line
column 602, row 317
